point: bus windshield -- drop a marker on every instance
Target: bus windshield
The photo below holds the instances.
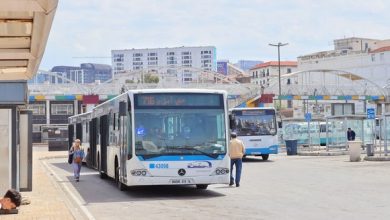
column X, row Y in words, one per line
column 255, row 122
column 189, row 131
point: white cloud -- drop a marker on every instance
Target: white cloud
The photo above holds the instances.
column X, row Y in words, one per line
column 239, row 29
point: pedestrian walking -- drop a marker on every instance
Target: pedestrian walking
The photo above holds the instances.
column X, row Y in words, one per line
column 351, row 134
column 78, row 155
column 236, row 152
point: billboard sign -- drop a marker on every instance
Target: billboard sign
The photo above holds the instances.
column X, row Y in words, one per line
column 222, row 67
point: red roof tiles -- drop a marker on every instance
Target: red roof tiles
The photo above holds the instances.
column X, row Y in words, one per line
column 381, row 49
column 275, row 63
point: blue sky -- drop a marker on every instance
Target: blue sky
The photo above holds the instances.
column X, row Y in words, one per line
column 240, row 29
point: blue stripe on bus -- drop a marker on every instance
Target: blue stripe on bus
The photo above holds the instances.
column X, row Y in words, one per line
column 273, row 149
column 181, row 158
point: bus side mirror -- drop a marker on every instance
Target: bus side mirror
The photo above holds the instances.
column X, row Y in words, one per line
column 232, row 122
column 122, row 108
column 280, row 124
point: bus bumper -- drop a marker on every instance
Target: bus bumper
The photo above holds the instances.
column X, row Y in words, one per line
column 176, row 180
column 260, row 151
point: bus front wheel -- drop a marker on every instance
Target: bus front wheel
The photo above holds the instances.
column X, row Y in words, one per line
column 201, row 186
column 265, row 156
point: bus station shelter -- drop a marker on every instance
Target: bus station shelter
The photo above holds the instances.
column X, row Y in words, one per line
column 385, row 132
column 336, row 135
column 24, row 30
column 306, row 133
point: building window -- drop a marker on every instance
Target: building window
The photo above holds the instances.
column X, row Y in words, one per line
column 118, row 57
column 186, row 53
column 37, row 109
column 382, row 57
column 373, row 57
column 62, row 109
column 153, row 54
column 288, row 81
column 288, row 70
column 137, row 55
column 289, row 103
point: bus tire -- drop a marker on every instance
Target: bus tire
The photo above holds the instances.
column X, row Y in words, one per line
column 265, row 156
column 202, row 186
column 119, row 184
column 101, row 174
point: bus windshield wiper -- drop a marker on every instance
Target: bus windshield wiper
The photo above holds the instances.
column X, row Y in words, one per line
column 202, row 152
column 149, row 156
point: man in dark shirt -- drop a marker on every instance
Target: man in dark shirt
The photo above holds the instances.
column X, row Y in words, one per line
column 351, row 134
column 11, row 200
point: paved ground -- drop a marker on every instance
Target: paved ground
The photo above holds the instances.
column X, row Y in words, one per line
column 47, row 199
column 286, row 187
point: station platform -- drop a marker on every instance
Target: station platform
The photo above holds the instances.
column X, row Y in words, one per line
column 48, row 201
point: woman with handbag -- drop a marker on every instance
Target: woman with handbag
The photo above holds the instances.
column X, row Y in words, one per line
column 78, row 155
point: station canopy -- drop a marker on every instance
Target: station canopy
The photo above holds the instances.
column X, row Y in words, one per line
column 24, row 30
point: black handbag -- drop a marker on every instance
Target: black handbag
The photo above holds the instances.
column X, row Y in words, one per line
column 70, row 158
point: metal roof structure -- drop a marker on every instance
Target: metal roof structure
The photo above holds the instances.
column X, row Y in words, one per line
column 24, row 30
column 324, row 82
column 238, row 93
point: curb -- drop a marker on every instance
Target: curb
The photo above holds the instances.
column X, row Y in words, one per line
column 378, row 158
column 322, row 153
column 52, row 157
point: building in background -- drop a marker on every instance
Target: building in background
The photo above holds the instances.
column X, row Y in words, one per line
column 367, row 58
column 229, row 69
column 247, row 64
column 263, row 73
column 203, row 58
column 86, row 73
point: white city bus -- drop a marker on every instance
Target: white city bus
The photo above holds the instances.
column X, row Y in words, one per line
column 159, row 137
column 256, row 127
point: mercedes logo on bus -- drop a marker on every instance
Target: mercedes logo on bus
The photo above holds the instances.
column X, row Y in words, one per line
column 181, row 172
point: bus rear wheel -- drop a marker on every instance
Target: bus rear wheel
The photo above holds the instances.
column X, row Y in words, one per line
column 201, row 186
column 265, row 156
column 119, row 184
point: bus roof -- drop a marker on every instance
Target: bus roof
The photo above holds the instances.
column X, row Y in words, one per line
column 177, row 90
column 251, row 108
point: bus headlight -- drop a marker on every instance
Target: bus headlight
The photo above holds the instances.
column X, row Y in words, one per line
column 139, row 172
column 221, row 171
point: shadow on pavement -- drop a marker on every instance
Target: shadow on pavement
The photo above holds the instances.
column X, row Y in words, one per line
column 93, row 189
column 65, row 166
column 255, row 160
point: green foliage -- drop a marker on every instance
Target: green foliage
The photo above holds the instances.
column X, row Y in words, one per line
column 149, row 78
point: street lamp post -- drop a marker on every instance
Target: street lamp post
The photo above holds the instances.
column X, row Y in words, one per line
column 280, row 86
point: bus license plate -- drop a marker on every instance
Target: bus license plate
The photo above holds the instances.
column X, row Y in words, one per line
column 181, row 181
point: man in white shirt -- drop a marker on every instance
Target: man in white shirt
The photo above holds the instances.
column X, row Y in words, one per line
column 236, row 152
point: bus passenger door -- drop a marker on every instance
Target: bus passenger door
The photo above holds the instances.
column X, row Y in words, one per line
column 123, row 148
column 70, row 135
column 123, row 141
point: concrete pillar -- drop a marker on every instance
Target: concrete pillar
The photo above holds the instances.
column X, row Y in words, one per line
column 47, row 112
column 76, row 107
column 8, row 149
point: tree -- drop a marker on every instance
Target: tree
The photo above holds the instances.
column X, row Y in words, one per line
column 149, row 78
